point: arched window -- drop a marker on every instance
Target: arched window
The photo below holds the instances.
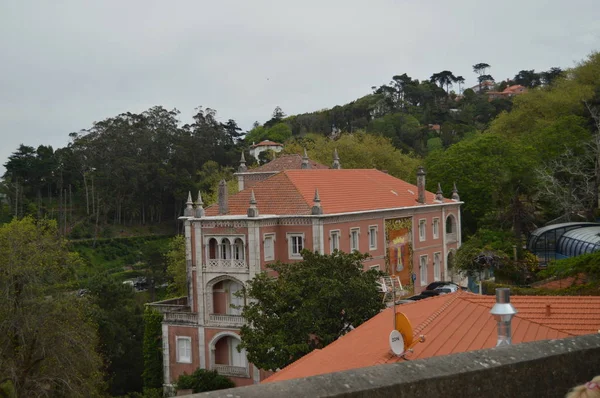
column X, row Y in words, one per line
column 238, row 249
column 225, row 249
column 212, row 249
column 450, row 224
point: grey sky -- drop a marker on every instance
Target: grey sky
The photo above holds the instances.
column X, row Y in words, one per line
column 66, row 64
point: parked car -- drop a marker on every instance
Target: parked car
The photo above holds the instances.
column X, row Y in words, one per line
column 450, row 288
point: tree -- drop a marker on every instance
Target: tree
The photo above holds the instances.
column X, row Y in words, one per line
column 444, row 78
column 120, row 329
column 480, row 69
column 153, row 360
column 309, row 305
column 47, row 341
column 176, row 266
column 203, row 380
column 549, row 76
column 460, row 80
column 528, row 78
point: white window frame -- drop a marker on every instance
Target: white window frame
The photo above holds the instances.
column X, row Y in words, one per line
column 187, row 358
column 423, row 270
column 352, row 231
column 269, row 256
column 436, row 228
column 290, row 239
column 334, row 240
column 437, row 266
column 373, row 237
column 375, row 267
column 422, row 230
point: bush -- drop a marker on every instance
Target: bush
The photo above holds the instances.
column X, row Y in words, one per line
column 203, row 380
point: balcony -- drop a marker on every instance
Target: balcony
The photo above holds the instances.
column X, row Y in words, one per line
column 232, row 371
column 226, row 265
column 451, row 237
column 226, row 320
column 181, row 318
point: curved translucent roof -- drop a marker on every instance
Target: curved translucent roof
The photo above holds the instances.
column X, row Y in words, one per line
column 547, row 228
column 588, row 234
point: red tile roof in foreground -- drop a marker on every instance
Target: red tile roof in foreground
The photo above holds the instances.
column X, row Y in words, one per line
column 451, row 323
column 291, row 192
column 286, row 162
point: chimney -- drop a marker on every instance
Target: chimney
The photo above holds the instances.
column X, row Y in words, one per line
column 252, row 210
column 189, row 210
column 305, row 165
column 548, row 310
column 503, row 312
column 223, row 199
column 421, row 184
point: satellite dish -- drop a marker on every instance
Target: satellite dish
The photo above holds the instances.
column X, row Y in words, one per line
column 396, row 342
column 405, row 328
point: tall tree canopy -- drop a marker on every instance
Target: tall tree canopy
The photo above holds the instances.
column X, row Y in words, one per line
column 47, row 341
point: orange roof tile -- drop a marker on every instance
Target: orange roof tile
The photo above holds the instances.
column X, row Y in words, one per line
column 286, row 162
column 451, row 323
column 291, row 192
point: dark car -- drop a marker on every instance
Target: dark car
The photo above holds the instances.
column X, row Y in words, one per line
column 434, row 285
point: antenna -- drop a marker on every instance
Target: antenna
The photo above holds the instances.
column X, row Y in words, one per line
column 397, row 342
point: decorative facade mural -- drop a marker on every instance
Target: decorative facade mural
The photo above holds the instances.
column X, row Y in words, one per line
column 398, row 262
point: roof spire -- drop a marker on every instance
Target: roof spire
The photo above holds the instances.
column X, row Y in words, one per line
column 336, row 160
column 252, row 210
column 305, row 164
column 316, row 209
column 199, row 209
column 242, row 168
column 455, row 196
column 439, row 195
column 189, row 210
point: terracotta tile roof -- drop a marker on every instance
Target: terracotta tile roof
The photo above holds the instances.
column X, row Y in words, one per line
column 572, row 314
column 286, row 162
column 513, row 88
column 291, row 192
column 451, row 323
column 267, row 143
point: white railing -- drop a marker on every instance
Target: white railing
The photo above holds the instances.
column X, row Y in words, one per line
column 181, row 317
column 228, row 370
column 226, row 320
column 228, row 263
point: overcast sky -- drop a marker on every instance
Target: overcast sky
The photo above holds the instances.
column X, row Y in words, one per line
column 66, row 64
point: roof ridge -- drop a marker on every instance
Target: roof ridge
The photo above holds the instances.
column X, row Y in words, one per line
column 529, row 319
column 434, row 316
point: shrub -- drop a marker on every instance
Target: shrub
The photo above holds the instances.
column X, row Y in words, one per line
column 203, row 380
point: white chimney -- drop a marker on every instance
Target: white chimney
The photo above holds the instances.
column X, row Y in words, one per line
column 503, row 312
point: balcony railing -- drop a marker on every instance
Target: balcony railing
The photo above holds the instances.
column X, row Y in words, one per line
column 226, row 320
column 226, row 264
column 183, row 318
column 451, row 237
column 228, row 370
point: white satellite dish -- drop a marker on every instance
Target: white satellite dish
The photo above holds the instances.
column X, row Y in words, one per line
column 396, row 342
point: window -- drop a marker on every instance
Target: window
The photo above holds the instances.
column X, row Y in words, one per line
column 269, row 247
column 437, row 273
column 373, row 237
column 334, row 240
column 238, row 249
column 184, row 349
column 422, row 230
column 354, row 239
column 375, row 267
column 295, row 245
column 450, row 224
column 225, row 249
column 423, row 266
column 436, row 228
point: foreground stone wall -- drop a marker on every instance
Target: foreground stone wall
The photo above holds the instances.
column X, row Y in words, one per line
column 538, row 369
